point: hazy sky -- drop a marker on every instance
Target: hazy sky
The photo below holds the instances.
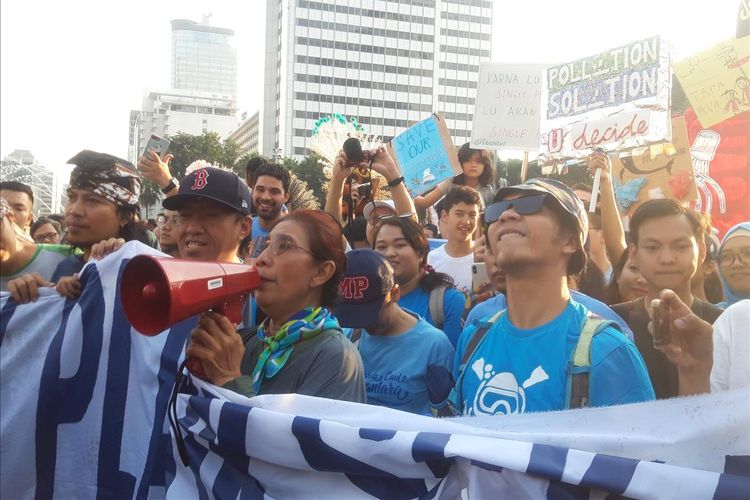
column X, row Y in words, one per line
column 71, row 71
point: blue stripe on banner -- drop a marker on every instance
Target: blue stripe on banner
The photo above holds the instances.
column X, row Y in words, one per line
column 431, row 494
column 738, row 465
column 486, row 466
column 429, row 447
column 731, row 487
column 608, row 473
column 234, row 479
column 557, row 490
column 196, row 454
column 110, row 479
column 64, row 401
column 202, row 407
column 5, row 314
column 376, row 434
column 320, row 456
column 155, row 471
column 547, row 461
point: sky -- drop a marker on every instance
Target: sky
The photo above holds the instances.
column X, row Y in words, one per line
column 71, row 71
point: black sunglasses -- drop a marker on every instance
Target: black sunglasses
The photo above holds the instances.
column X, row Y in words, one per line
column 526, row 205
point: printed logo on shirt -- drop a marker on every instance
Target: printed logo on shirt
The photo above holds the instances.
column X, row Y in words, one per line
column 500, row 393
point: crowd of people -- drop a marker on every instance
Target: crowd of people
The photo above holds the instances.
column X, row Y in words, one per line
column 378, row 298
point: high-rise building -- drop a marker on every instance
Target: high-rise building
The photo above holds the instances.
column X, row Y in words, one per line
column 203, row 58
column 246, row 135
column 21, row 166
column 390, row 63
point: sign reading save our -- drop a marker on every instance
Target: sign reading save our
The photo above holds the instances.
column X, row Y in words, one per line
column 425, row 155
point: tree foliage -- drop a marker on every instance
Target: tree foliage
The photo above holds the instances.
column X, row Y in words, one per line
column 188, row 148
column 310, row 171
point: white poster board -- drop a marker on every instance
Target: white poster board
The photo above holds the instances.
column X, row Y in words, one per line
column 506, row 112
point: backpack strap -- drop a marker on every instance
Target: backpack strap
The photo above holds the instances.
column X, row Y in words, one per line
column 436, row 307
column 454, row 398
column 577, row 393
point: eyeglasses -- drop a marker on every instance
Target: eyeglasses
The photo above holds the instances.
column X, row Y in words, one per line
column 41, row 238
column 526, row 205
column 375, row 220
column 728, row 258
column 280, row 244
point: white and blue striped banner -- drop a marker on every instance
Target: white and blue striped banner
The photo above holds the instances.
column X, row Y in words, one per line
column 83, row 400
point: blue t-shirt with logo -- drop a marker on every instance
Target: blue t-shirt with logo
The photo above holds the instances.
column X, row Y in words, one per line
column 396, row 368
column 454, row 303
column 518, row 371
column 498, row 303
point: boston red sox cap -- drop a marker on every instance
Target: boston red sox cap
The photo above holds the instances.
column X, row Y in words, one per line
column 215, row 184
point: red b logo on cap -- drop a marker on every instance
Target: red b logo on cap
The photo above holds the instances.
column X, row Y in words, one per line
column 201, row 181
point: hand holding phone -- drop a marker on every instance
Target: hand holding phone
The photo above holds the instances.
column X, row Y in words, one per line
column 158, row 145
column 661, row 323
column 479, row 278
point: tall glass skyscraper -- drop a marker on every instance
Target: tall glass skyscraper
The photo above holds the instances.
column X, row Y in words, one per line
column 390, row 63
column 203, row 58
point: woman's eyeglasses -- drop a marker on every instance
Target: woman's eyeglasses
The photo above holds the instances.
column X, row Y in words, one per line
column 728, row 258
column 280, row 244
column 526, row 205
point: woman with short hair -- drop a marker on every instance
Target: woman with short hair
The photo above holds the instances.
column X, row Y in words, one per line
column 299, row 347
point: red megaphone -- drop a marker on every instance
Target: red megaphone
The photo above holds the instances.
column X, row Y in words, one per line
column 158, row 292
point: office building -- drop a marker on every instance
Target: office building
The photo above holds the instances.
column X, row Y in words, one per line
column 246, row 135
column 203, row 58
column 389, row 63
column 21, row 166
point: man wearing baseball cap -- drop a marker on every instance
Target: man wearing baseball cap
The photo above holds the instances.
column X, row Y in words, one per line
column 214, row 209
column 407, row 361
column 527, row 357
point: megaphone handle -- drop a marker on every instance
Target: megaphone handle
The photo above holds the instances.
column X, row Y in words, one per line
column 196, row 368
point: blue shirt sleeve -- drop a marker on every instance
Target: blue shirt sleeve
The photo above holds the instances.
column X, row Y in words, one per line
column 618, row 372
column 454, row 303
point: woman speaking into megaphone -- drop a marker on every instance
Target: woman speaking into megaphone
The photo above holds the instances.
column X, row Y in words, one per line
column 299, row 347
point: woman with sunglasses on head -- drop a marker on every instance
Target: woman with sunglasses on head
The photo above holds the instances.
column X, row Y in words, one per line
column 299, row 347
column 402, row 241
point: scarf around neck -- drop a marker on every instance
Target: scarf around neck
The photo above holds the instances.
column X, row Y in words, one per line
column 306, row 324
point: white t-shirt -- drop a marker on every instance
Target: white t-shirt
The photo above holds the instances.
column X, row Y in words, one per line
column 731, row 368
column 458, row 268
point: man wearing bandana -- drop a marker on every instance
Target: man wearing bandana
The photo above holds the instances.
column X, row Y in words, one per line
column 101, row 209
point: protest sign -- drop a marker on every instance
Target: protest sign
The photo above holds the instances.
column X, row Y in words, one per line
column 425, row 155
column 618, row 99
column 506, row 113
column 661, row 170
column 717, row 80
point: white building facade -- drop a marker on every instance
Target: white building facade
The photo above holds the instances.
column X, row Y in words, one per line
column 389, row 63
column 47, row 186
column 246, row 135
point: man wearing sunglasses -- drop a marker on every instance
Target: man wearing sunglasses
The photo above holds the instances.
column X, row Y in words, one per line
column 521, row 360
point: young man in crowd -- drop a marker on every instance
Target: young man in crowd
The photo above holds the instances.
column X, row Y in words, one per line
column 270, row 193
column 519, row 360
column 20, row 256
column 498, row 302
column 406, row 359
column 667, row 243
column 20, row 197
column 170, row 232
column 460, row 213
column 400, row 205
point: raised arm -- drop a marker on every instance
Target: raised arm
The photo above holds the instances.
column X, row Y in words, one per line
column 614, row 234
column 383, row 164
column 336, row 187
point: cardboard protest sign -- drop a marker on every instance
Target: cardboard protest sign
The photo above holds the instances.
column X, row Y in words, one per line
column 506, row 113
column 716, row 80
column 663, row 170
column 425, row 155
column 618, row 99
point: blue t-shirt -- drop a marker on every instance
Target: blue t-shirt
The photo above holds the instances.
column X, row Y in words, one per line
column 259, row 237
column 516, row 371
column 498, row 303
column 396, row 368
column 454, row 303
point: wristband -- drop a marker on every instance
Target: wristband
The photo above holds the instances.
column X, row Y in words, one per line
column 395, row 182
column 170, row 186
